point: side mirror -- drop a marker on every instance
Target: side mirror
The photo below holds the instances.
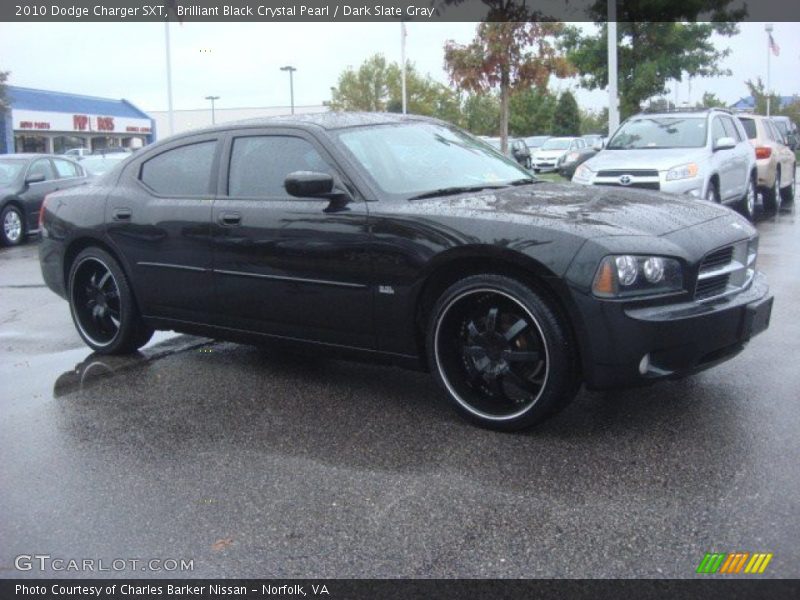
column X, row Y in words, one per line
column 724, row 143
column 305, row 184
column 309, row 184
column 598, row 145
column 36, row 178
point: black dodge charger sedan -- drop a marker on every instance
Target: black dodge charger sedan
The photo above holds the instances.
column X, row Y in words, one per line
column 406, row 240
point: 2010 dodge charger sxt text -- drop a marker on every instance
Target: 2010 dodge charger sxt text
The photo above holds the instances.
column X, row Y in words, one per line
column 406, row 239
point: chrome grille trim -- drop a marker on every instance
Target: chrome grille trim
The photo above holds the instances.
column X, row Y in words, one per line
column 725, row 271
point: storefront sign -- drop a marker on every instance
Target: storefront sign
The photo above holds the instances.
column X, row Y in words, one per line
column 33, row 120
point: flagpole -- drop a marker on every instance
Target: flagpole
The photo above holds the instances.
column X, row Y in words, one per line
column 768, row 29
column 169, row 79
column 403, row 63
column 613, row 94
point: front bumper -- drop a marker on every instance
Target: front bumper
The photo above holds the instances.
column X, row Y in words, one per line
column 677, row 339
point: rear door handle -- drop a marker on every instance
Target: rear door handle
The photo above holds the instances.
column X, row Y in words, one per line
column 122, row 214
column 231, row 219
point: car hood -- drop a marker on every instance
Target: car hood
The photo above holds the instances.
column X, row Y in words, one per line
column 586, row 211
column 549, row 153
column 660, row 159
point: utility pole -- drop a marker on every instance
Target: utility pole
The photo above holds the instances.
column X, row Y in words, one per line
column 403, row 63
column 613, row 94
column 291, row 71
column 212, row 98
column 169, row 80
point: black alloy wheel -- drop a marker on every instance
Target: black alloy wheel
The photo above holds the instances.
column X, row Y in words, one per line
column 788, row 192
column 102, row 305
column 501, row 353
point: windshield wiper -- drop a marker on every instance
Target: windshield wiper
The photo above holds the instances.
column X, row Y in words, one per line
column 451, row 191
column 525, row 181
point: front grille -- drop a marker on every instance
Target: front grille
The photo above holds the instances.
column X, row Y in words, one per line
column 633, row 172
column 713, row 286
column 642, row 185
column 725, row 271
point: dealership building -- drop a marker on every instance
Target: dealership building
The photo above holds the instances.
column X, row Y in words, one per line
column 53, row 122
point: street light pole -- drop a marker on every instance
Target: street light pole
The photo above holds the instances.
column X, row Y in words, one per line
column 613, row 95
column 291, row 70
column 212, row 98
column 171, row 118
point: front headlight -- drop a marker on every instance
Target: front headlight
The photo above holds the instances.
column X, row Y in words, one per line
column 686, row 171
column 583, row 173
column 630, row 275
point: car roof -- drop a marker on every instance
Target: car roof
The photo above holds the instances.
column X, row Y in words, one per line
column 28, row 155
column 328, row 120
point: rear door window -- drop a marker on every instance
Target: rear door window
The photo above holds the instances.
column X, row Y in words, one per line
column 749, row 128
column 66, row 169
column 181, row 171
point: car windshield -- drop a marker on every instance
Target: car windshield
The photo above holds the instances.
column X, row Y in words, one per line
column 10, row 168
column 415, row 158
column 660, row 132
column 556, row 144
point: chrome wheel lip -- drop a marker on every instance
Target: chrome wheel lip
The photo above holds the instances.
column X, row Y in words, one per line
column 75, row 316
column 443, row 375
column 12, row 226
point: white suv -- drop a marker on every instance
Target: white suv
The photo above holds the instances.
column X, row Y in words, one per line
column 702, row 153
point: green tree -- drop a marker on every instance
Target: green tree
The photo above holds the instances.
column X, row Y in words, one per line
column 531, row 112
column 506, row 56
column 4, row 105
column 759, row 93
column 482, row 113
column 376, row 86
column 594, row 122
column 652, row 53
column 710, row 100
column 567, row 118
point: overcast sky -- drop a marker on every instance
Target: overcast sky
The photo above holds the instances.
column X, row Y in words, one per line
column 240, row 61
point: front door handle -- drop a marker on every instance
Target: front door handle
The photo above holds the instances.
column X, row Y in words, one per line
column 122, row 214
column 230, row 219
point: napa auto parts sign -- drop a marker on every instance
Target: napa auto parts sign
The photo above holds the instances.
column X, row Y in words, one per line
column 36, row 120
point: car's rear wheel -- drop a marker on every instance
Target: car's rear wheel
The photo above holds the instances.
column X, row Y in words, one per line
column 772, row 196
column 102, row 305
column 788, row 192
column 501, row 352
column 13, row 226
column 747, row 205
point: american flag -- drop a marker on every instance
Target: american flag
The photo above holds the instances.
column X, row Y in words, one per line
column 776, row 50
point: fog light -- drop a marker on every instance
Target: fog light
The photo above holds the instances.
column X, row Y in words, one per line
column 644, row 364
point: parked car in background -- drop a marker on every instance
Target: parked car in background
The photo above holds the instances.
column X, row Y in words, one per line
column 98, row 164
column 594, row 140
column 535, row 141
column 546, row 157
column 511, row 291
column 570, row 161
column 775, row 160
column 25, row 179
column 700, row 153
column 789, row 131
column 517, row 149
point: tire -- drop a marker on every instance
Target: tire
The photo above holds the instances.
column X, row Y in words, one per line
column 501, row 352
column 712, row 192
column 788, row 192
column 772, row 196
column 102, row 305
column 747, row 205
column 13, row 231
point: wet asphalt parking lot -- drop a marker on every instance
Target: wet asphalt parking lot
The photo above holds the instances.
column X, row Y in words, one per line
column 250, row 463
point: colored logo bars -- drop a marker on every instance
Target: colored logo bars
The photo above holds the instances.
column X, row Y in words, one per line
column 734, row 563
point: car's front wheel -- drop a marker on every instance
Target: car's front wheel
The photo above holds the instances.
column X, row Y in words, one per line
column 13, row 226
column 772, row 196
column 102, row 304
column 502, row 353
column 787, row 193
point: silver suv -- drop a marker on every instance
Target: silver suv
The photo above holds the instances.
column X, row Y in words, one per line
column 702, row 153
